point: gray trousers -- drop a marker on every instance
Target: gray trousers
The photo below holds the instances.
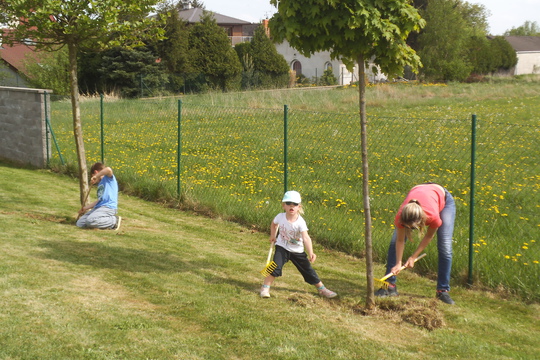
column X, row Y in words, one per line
column 100, row 218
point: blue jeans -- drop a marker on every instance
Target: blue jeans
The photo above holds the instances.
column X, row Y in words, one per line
column 444, row 245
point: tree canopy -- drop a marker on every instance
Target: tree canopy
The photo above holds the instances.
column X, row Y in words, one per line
column 376, row 30
column 211, row 54
column 90, row 25
column 454, row 43
column 529, row 28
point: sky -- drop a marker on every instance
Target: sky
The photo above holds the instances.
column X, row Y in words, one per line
column 505, row 14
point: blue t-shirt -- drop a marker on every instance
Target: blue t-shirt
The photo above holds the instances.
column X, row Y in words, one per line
column 107, row 193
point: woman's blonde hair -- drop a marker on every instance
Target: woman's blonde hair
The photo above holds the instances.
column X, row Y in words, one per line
column 413, row 217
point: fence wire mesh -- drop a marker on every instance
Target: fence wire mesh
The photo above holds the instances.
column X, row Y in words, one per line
column 232, row 164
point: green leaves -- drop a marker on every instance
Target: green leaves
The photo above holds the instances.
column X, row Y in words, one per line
column 371, row 28
column 92, row 24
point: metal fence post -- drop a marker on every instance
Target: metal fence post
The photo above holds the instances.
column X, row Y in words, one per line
column 285, row 147
column 102, row 133
column 48, row 125
column 471, row 201
column 46, row 128
column 179, row 149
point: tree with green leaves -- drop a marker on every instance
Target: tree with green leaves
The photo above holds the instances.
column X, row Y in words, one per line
column 263, row 66
column 480, row 55
column 211, row 54
column 173, row 49
column 354, row 31
column 50, row 71
column 193, row 3
column 131, row 72
column 328, row 78
column 442, row 44
column 243, row 50
column 529, row 28
column 78, row 25
column 270, row 66
column 504, row 55
column 475, row 16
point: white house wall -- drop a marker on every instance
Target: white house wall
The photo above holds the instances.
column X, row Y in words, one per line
column 528, row 63
column 314, row 66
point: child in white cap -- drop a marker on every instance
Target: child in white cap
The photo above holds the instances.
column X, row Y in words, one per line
column 293, row 243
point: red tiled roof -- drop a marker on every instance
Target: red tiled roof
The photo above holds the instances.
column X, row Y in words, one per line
column 15, row 55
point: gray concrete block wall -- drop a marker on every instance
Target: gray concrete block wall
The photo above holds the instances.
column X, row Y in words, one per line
column 23, row 135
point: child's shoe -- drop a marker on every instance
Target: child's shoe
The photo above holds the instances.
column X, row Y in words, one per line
column 327, row 293
column 116, row 226
column 265, row 291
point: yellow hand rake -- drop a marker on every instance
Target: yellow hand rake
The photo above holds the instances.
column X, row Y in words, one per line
column 270, row 265
column 384, row 283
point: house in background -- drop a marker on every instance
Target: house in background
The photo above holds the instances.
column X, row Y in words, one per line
column 528, row 53
column 313, row 67
column 12, row 58
column 237, row 30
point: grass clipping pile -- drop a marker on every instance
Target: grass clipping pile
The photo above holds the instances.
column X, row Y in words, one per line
column 422, row 313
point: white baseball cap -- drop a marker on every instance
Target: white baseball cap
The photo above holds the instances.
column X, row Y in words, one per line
column 292, row 196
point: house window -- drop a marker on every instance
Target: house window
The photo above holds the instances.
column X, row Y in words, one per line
column 328, row 65
column 297, row 67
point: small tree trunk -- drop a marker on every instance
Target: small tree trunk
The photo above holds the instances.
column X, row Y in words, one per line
column 77, row 126
column 370, row 298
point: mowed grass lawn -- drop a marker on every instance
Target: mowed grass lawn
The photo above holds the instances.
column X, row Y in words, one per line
column 174, row 285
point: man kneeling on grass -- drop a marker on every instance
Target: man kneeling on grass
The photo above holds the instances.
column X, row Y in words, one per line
column 104, row 209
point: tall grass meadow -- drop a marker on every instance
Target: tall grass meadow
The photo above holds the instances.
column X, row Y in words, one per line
column 232, row 155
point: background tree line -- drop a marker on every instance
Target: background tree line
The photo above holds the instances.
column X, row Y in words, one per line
column 191, row 58
column 453, row 46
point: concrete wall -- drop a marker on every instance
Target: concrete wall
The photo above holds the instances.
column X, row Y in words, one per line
column 22, row 125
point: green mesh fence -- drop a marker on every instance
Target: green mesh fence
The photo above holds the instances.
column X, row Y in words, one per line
column 232, row 164
column 507, row 244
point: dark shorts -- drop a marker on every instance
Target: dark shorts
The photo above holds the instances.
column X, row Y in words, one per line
column 300, row 260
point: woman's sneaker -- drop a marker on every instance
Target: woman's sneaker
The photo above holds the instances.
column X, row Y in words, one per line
column 391, row 291
column 327, row 293
column 444, row 296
